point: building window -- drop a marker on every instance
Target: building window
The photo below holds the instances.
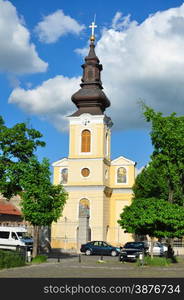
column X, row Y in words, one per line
column 84, row 208
column 4, row 234
column 64, row 175
column 85, row 172
column 86, row 141
column 121, row 175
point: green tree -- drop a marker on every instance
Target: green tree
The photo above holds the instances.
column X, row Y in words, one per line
column 17, row 146
column 157, row 207
column 21, row 173
column 151, row 183
column 167, row 135
column 153, row 217
column 42, row 202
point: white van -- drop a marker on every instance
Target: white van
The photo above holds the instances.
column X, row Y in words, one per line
column 13, row 238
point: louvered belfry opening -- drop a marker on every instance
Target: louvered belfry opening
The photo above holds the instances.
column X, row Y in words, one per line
column 86, row 141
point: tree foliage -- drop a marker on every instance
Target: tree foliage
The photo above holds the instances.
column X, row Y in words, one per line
column 153, row 217
column 150, row 183
column 158, row 205
column 21, row 173
column 42, row 202
column 17, row 146
column 167, row 135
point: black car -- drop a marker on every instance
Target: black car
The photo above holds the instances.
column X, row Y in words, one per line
column 132, row 250
column 99, row 247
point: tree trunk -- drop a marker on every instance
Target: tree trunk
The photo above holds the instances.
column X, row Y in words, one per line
column 170, row 242
column 170, row 197
column 36, row 240
column 151, row 247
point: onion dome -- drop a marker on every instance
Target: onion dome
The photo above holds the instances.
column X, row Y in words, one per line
column 90, row 98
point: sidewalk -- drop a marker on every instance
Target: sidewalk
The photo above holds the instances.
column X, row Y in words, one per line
column 91, row 267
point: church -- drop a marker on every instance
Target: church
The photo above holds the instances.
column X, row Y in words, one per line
column 98, row 187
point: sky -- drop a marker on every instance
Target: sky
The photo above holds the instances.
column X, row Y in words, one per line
column 140, row 44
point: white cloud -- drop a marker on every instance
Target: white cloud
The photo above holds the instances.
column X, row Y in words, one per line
column 17, row 54
column 120, row 22
column 56, row 25
column 146, row 62
column 51, row 100
column 141, row 61
column 138, row 170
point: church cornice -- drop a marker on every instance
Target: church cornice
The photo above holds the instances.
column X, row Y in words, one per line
column 107, row 162
column 121, row 160
column 124, row 190
column 104, row 188
column 60, row 163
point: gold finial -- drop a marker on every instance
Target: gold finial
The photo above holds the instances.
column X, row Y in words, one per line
column 93, row 26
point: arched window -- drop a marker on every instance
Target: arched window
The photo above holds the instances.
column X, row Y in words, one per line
column 85, row 141
column 121, row 175
column 84, row 208
column 64, row 175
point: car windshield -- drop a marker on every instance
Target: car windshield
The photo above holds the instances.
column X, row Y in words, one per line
column 23, row 235
column 134, row 245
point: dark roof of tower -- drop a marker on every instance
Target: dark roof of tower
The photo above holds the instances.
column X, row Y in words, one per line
column 90, row 98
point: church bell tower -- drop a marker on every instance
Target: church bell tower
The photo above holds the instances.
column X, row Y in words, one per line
column 87, row 174
column 89, row 148
column 89, row 126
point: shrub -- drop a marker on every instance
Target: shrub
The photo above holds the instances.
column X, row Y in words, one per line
column 157, row 261
column 9, row 259
column 39, row 259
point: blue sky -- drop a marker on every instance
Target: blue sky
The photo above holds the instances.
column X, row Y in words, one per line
column 139, row 42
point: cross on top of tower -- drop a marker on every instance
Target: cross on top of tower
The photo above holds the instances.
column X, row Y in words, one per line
column 93, row 26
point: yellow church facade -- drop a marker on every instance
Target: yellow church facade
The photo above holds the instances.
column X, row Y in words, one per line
column 98, row 187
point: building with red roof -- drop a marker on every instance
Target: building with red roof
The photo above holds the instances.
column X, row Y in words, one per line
column 10, row 215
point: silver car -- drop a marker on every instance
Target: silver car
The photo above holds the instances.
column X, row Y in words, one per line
column 159, row 249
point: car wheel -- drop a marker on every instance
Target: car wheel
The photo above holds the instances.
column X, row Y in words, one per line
column 88, row 252
column 113, row 253
column 120, row 258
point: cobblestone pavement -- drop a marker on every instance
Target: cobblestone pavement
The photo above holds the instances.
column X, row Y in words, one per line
column 92, row 267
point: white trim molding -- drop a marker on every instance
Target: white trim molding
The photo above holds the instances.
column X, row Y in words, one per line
column 61, row 163
column 126, row 161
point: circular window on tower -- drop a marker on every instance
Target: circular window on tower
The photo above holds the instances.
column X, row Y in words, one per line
column 85, row 172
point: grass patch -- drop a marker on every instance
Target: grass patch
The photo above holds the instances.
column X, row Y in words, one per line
column 157, row 261
column 101, row 261
column 10, row 259
column 39, row 259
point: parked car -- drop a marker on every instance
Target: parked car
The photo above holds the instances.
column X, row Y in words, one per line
column 14, row 238
column 159, row 249
column 132, row 250
column 99, row 247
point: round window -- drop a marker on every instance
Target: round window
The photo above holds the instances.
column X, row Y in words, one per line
column 85, row 172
